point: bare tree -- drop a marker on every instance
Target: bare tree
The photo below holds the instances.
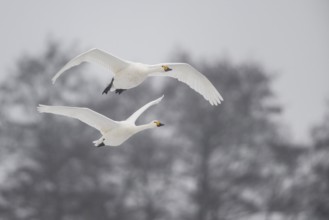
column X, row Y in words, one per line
column 207, row 163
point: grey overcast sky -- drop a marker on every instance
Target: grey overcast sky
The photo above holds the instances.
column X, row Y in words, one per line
column 288, row 37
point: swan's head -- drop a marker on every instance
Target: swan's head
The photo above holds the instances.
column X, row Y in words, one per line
column 166, row 68
column 157, row 123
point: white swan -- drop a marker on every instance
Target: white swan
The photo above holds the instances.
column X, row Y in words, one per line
column 114, row 133
column 129, row 74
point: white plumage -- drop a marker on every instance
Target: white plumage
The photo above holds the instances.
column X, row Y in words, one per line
column 114, row 133
column 129, row 74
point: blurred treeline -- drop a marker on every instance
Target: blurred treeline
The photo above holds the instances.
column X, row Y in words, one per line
column 233, row 161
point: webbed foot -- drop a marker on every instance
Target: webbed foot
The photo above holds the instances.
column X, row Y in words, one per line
column 119, row 91
column 101, row 145
column 108, row 87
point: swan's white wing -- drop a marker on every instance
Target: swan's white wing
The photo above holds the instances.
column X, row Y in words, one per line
column 134, row 116
column 193, row 78
column 90, row 117
column 100, row 57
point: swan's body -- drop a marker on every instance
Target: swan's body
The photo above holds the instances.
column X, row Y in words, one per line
column 114, row 133
column 130, row 77
column 129, row 74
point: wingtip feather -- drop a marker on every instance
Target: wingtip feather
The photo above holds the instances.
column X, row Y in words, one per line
column 44, row 108
column 41, row 108
column 159, row 99
column 55, row 77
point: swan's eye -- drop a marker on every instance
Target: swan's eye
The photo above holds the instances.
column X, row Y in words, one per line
column 166, row 68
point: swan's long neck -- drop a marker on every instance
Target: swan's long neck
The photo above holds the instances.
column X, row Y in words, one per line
column 140, row 128
column 153, row 69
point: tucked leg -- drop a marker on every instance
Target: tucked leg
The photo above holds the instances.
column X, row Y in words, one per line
column 108, row 87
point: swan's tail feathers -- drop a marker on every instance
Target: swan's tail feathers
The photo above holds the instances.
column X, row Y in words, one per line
column 99, row 142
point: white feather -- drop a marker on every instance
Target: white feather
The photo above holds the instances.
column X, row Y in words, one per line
column 129, row 74
column 100, row 57
column 114, row 133
column 140, row 111
column 187, row 74
column 86, row 115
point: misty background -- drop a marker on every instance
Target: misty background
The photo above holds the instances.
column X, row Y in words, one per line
column 262, row 154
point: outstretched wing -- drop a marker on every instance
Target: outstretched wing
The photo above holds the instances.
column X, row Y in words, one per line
column 138, row 113
column 100, row 57
column 187, row 74
column 88, row 116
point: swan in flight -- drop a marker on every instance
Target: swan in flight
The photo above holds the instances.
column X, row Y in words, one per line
column 129, row 74
column 114, row 133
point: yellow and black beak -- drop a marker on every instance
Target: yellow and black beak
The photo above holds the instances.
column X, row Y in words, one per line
column 159, row 124
column 166, row 68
